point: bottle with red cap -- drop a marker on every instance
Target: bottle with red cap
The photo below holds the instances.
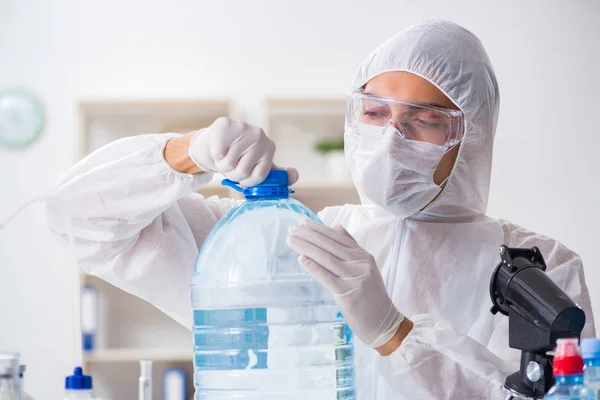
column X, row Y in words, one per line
column 568, row 372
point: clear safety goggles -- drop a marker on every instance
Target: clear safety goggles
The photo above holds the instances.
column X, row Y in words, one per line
column 418, row 122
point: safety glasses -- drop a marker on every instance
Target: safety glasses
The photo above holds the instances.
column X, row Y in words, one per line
column 369, row 115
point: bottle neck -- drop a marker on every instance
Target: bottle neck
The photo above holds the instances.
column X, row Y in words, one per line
column 592, row 362
column 267, row 192
column 569, row 379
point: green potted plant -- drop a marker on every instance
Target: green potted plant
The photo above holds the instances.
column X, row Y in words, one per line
column 332, row 150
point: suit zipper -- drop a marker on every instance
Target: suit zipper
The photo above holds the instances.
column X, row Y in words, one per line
column 390, row 281
column 398, row 235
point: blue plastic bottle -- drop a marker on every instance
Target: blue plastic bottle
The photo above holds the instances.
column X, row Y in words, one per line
column 590, row 349
column 78, row 386
column 264, row 328
column 567, row 367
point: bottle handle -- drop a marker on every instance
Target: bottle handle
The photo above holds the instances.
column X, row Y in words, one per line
column 234, row 185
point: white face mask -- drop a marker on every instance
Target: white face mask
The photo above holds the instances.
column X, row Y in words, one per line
column 395, row 173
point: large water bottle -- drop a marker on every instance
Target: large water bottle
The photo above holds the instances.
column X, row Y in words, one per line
column 590, row 349
column 264, row 328
column 567, row 367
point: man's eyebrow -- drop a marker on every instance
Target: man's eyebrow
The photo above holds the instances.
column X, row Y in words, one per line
column 377, row 100
column 417, row 105
column 414, row 104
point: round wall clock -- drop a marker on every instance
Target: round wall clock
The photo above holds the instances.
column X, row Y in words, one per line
column 21, row 118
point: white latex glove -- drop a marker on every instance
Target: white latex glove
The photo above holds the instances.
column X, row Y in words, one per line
column 238, row 151
column 334, row 258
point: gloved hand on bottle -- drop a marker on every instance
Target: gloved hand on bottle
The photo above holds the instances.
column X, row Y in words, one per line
column 238, row 151
column 334, row 258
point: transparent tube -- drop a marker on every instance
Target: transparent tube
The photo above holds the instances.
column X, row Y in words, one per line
column 145, row 381
column 24, row 394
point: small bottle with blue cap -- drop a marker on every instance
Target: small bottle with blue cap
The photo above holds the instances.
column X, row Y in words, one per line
column 590, row 350
column 78, row 386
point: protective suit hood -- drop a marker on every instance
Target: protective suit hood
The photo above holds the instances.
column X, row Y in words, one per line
column 454, row 60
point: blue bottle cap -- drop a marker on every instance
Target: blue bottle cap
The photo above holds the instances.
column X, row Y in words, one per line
column 274, row 185
column 78, row 381
column 590, row 348
column 275, row 177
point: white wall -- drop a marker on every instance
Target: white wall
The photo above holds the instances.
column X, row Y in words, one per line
column 36, row 314
column 546, row 55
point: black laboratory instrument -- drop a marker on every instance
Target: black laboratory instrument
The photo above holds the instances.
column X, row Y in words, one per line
column 538, row 311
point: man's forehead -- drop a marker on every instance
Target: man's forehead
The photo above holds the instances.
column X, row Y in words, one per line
column 407, row 87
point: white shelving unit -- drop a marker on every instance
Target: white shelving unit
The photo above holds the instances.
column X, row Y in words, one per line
column 120, row 355
column 132, row 329
column 296, row 125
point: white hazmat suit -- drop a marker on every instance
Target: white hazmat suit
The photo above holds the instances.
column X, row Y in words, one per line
column 138, row 224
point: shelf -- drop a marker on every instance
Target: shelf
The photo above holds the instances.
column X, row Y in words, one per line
column 105, row 120
column 302, row 107
column 324, row 186
column 165, row 106
column 215, row 186
column 135, row 355
column 296, row 126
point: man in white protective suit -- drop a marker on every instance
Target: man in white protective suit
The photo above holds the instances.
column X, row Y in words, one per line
column 409, row 266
